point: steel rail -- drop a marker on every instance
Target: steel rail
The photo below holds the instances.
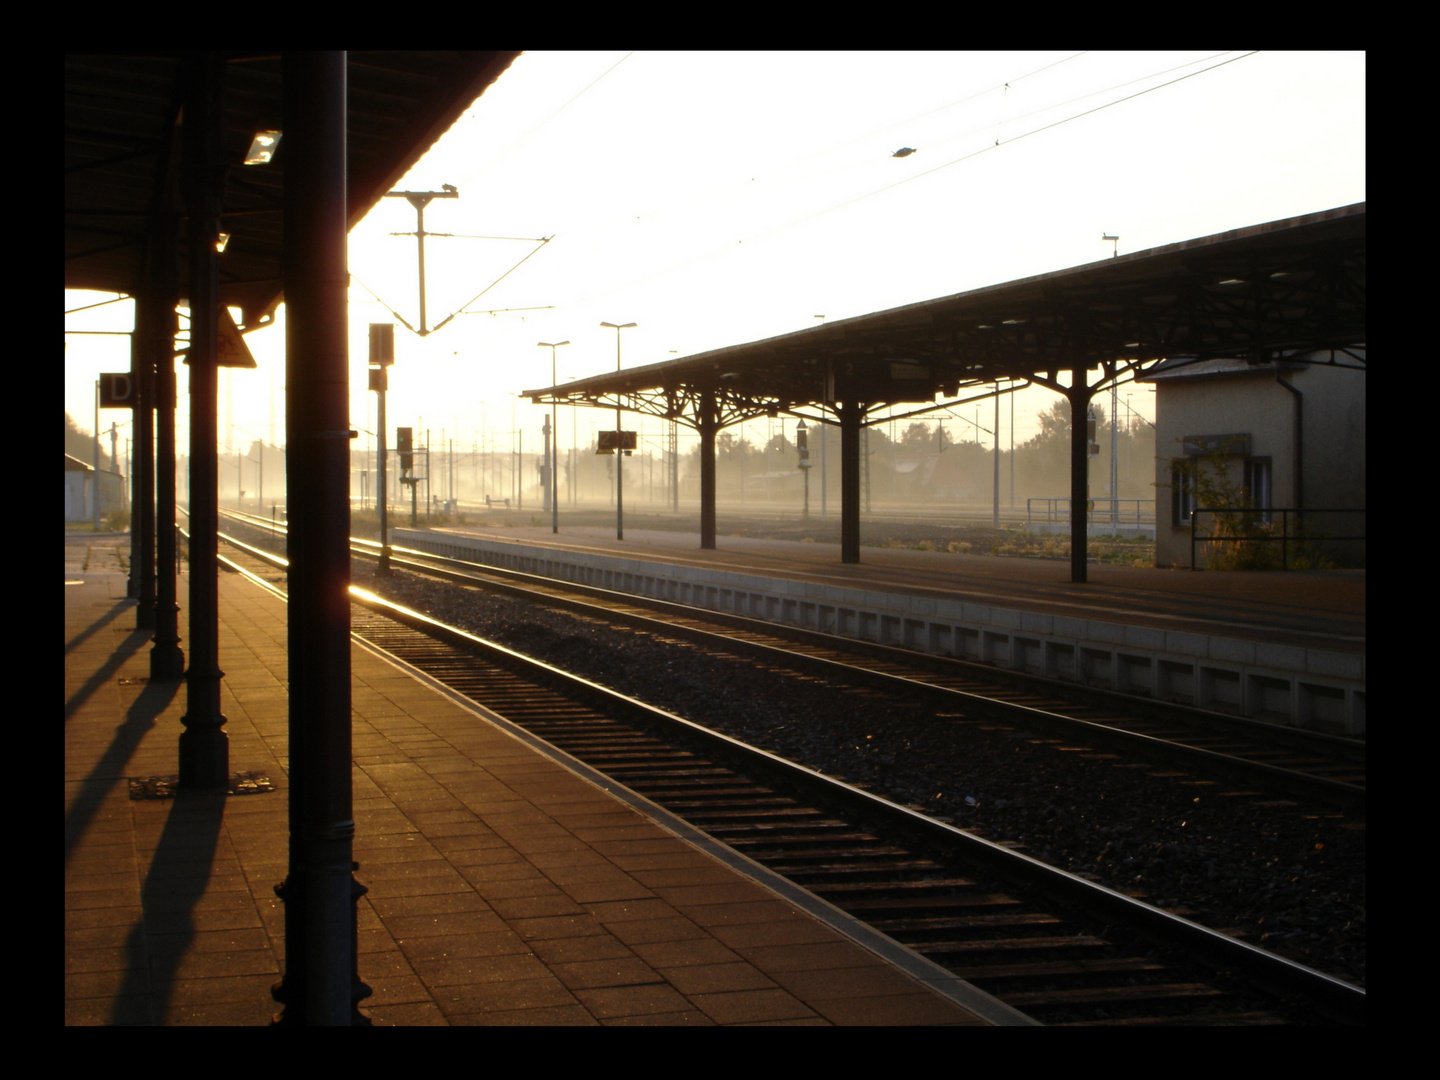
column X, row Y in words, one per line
column 1202, row 723
column 1303, row 784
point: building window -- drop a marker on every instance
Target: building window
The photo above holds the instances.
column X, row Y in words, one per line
column 1182, row 491
column 1258, row 486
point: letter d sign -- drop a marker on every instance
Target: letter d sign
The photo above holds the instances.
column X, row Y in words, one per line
column 117, row 391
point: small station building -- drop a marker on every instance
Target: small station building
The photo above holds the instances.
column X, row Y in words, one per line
column 1284, row 439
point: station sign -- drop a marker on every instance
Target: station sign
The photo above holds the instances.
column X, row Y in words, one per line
column 117, row 390
column 610, row 441
column 1204, row 445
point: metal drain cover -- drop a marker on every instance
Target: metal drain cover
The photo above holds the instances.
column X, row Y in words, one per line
column 168, row 787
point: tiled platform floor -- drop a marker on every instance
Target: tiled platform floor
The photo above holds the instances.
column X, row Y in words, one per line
column 504, row 888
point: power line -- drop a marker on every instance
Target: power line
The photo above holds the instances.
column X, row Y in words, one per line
column 1007, row 142
column 543, row 123
column 967, row 157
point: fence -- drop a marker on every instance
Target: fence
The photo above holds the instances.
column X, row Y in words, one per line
column 1098, row 512
column 1265, row 532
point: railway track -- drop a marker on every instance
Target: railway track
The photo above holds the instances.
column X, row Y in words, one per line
column 1053, row 946
column 1306, row 765
column 1302, row 764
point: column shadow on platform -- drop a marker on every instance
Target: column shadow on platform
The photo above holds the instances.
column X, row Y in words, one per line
column 177, row 879
column 99, row 624
column 109, row 770
column 132, row 644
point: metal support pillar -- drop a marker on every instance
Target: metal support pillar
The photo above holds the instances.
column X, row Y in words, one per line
column 850, row 414
column 708, row 427
column 204, row 746
column 142, row 514
column 1079, row 395
column 167, row 660
column 321, row 986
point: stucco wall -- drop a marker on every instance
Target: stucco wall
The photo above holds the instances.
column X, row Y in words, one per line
column 1253, row 403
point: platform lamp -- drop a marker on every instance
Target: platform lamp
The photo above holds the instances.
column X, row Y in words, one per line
column 802, row 443
column 554, row 438
column 619, row 450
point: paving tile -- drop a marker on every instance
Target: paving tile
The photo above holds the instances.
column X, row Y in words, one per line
column 752, row 1007
column 664, row 955
column 110, row 1011
column 443, row 971
column 791, row 931
column 617, row 1001
column 602, row 892
column 697, row 979
column 620, row 911
column 691, row 1018
column 616, row 971
column 121, row 958
column 573, row 950
column 406, row 1014
column 649, row 931
column 540, row 993
column 495, row 943
column 454, row 922
column 871, row 980
column 529, row 906
column 804, row 956
column 396, row 990
column 555, row 1016
column 560, row 926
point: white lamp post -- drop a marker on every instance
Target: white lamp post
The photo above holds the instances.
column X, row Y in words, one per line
column 554, row 447
column 619, row 452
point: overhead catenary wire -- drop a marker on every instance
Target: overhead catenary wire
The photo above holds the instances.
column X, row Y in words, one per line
column 1015, row 139
column 537, row 128
column 728, row 246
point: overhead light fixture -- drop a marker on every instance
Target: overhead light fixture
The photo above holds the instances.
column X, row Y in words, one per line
column 262, row 147
column 220, row 242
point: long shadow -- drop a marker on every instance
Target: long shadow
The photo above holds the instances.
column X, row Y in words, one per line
column 110, row 769
column 100, row 623
column 132, row 644
column 179, row 874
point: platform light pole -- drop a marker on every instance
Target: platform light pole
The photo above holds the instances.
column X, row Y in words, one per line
column 552, row 448
column 619, row 450
column 802, row 443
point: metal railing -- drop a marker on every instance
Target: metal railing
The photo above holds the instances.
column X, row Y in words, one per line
column 1267, row 533
column 1056, row 511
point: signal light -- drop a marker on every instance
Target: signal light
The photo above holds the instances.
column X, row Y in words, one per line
column 404, row 442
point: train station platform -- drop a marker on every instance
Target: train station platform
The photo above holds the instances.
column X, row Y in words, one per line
column 1282, row 646
column 505, row 886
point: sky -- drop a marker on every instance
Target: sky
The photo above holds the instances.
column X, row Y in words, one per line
column 715, row 198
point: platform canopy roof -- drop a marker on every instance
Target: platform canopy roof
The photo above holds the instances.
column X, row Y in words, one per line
column 123, row 123
column 1281, row 288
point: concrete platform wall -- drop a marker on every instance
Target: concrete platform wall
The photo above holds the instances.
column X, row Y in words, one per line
column 1309, row 688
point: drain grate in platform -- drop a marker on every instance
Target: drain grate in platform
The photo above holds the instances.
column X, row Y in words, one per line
column 168, row 787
